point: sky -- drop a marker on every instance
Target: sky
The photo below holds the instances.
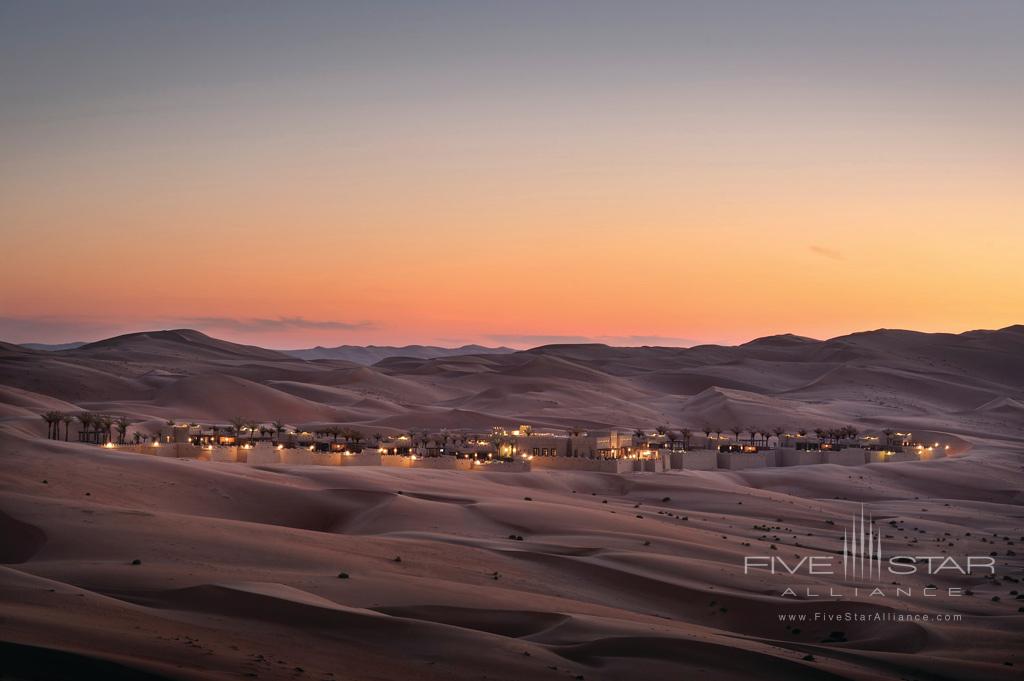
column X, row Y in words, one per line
column 667, row 173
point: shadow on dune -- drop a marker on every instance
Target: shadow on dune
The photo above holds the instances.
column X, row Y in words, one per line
column 510, row 623
column 20, row 541
column 25, row 663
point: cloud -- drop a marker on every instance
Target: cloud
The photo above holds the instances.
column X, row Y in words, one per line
column 63, row 329
column 276, row 324
column 531, row 340
column 826, row 252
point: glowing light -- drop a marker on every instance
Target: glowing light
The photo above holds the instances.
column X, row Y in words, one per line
column 109, row 445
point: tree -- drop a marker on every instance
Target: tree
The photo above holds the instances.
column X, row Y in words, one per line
column 237, row 423
column 686, row 434
column 278, row 427
column 67, row 419
column 661, row 430
column 107, row 425
column 672, row 437
column 778, row 431
column 50, row 418
column 639, row 434
column 122, row 429
column 86, row 419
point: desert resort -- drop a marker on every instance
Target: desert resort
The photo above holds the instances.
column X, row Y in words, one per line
column 519, row 450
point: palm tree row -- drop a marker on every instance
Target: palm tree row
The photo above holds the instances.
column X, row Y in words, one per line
column 94, row 423
column 755, row 435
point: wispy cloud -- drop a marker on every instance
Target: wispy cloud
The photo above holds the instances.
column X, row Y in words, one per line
column 59, row 329
column 826, row 252
column 257, row 324
column 533, row 340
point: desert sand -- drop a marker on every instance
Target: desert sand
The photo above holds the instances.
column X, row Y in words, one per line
column 120, row 565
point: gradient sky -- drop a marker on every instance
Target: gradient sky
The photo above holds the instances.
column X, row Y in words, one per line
column 291, row 174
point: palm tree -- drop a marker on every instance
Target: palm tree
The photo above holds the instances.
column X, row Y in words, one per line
column 686, row 434
column 778, row 431
column 672, row 438
column 377, row 437
column 801, row 433
column 86, row 419
column 497, row 441
column 639, row 434
column 238, row 423
column 122, row 429
column 661, row 430
column 852, row 432
column 356, row 436
column 67, row 419
column 707, row 430
column 104, row 424
column 48, row 416
column 334, row 431
column 278, row 428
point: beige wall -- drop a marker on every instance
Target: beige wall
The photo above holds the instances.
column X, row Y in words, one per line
column 796, row 457
column 742, row 461
column 695, row 460
column 845, row 457
column 541, row 463
column 892, row 457
column 528, row 443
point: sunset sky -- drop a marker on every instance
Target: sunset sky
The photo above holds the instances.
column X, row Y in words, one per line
column 294, row 174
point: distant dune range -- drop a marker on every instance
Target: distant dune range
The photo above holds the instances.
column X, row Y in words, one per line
column 871, row 379
column 118, row 565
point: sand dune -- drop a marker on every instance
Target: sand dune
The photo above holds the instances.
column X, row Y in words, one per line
column 376, row 572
